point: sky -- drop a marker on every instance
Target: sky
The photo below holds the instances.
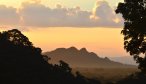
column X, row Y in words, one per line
column 51, row 24
column 84, row 4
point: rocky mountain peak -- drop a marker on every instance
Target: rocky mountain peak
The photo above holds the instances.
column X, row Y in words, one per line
column 83, row 50
column 72, row 49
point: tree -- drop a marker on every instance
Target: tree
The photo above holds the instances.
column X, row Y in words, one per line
column 65, row 66
column 20, row 61
column 16, row 37
column 134, row 31
column 23, row 63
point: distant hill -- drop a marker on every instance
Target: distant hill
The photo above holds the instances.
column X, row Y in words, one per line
column 124, row 60
column 23, row 63
column 82, row 58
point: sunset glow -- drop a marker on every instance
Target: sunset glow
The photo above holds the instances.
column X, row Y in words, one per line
column 72, row 41
column 103, row 41
column 51, row 24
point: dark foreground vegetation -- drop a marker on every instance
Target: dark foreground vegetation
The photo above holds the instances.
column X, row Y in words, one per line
column 106, row 75
column 134, row 31
column 137, row 78
column 22, row 63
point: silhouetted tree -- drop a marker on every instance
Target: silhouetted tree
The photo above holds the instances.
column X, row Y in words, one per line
column 137, row 78
column 22, row 63
column 15, row 37
column 46, row 58
column 65, row 66
column 134, row 14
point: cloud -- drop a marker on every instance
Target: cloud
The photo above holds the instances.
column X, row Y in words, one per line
column 8, row 16
column 104, row 15
column 35, row 1
column 35, row 14
column 42, row 16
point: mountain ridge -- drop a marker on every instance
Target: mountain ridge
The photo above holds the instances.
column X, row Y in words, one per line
column 82, row 58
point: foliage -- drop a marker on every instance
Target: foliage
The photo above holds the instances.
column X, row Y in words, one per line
column 134, row 31
column 22, row 63
column 137, row 78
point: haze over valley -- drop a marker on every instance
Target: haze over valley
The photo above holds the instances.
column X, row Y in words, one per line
column 72, row 41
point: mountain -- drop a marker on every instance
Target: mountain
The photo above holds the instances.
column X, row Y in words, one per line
column 124, row 60
column 82, row 58
column 23, row 63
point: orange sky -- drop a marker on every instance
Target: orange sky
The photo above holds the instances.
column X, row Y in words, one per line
column 103, row 41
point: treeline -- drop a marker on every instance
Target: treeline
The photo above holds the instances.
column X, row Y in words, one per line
column 23, row 63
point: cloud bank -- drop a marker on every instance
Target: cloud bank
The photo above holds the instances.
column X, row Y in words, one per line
column 8, row 16
column 38, row 15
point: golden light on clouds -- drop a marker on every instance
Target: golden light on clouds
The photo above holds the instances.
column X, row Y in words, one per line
column 38, row 15
column 117, row 20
